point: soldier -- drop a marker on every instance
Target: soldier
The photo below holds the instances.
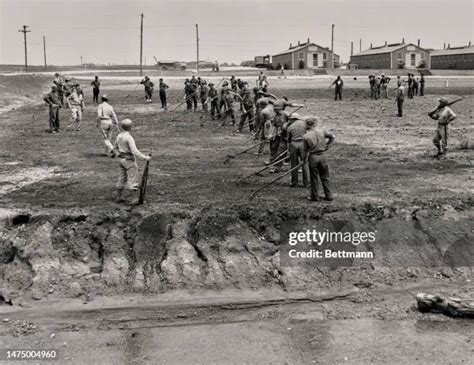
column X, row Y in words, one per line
column 410, row 86
column 127, row 152
column 75, row 101
column 106, row 121
column 194, row 89
column 95, row 90
column 377, row 84
column 67, row 86
column 296, row 129
column 222, row 101
column 228, row 109
column 203, row 94
column 415, row 87
column 59, row 87
column 188, row 94
column 372, row 86
column 444, row 115
column 233, row 84
column 315, row 146
column 400, row 98
column 214, row 99
column 247, row 108
column 54, row 102
column 163, row 88
column 148, row 88
column 384, row 81
column 338, row 91
column 267, row 129
column 422, row 85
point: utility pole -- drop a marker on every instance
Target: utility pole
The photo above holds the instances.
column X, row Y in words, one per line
column 332, row 47
column 360, row 45
column 81, row 60
column 352, row 48
column 24, row 31
column 141, row 45
column 197, row 48
column 44, row 52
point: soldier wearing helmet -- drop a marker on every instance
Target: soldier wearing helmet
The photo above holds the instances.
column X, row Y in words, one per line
column 54, row 103
column 444, row 115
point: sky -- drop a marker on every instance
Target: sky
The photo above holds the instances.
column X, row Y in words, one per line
column 108, row 31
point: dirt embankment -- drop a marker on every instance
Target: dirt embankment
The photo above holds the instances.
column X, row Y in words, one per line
column 83, row 253
column 16, row 91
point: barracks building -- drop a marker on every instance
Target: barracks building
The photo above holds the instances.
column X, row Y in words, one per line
column 305, row 56
column 392, row 56
column 457, row 58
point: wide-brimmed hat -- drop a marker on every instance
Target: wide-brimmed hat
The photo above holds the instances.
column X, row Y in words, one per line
column 104, row 97
column 443, row 101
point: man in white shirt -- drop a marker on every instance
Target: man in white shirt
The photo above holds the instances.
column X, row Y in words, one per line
column 127, row 153
column 75, row 101
column 106, row 121
column 444, row 115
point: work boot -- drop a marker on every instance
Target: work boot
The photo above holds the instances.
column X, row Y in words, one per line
column 118, row 195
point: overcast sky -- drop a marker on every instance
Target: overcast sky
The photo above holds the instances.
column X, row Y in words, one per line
column 108, row 31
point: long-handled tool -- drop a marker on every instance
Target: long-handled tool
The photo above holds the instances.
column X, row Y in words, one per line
column 280, row 158
column 276, row 179
column 130, row 93
column 142, row 191
column 229, row 157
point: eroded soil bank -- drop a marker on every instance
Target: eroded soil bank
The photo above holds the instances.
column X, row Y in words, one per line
column 85, row 252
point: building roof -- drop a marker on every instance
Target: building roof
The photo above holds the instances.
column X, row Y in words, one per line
column 453, row 51
column 300, row 47
column 389, row 48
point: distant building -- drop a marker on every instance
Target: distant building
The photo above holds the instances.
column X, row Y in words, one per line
column 392, row 56
column 453, row 58
column 305, row 56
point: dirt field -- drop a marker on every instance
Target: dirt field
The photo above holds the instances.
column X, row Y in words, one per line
column 63, row 237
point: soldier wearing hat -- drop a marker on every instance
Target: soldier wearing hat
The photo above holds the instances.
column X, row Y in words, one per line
column 214, row 99
column 75, row 102
column 227, row 102
column 444, row 115
column 162, row 86
column 106, row 121
column 316, row 142
column 149, row 86
column 247, row 106
column 338, row 88
column 54, row 102
column 67, row 86
column 193, row 89
column 296, row 129
column 127, row 152
column 384, row 81
column 203, row 94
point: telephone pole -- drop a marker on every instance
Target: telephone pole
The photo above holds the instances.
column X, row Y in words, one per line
column 44, row 52
column 360, row 45
column 332, row 47
column 197, row 48
column 24, row 31
column 141, row 45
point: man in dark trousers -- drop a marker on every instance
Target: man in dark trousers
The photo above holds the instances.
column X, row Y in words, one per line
column 338, row 91
column 163, row 88
column 148, row 88
column 400, row 98
column 214, row 100
column 422, row 85
column 203, row 94
column 410, row 86
column 316, row 142
column 52, row 99
column 384, row 81
column 247, row 108
column 295, row 132
column 95, row 90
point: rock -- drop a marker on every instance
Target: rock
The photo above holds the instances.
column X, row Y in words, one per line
column 75, row 289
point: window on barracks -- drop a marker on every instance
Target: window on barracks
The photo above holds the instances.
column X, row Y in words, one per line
column 301, row 56
column 400, row 56
column 324, row 56
column 413, row 59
